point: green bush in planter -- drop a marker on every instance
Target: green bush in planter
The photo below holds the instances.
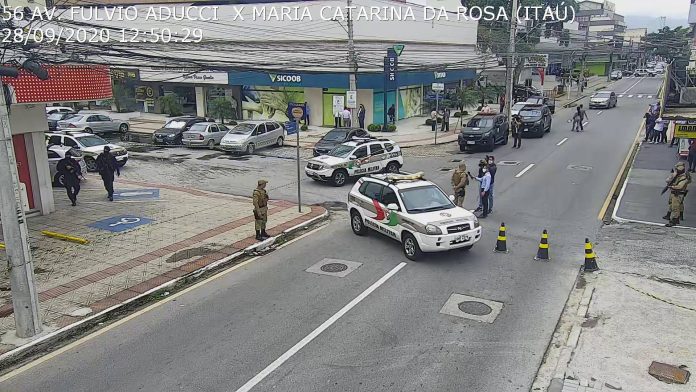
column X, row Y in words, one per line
column 391, row 128
column 465, row 113
column 457, row 114
column 374, row 128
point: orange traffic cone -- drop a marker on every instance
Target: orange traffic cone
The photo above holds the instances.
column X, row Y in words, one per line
column 543, row 252
column 590, row 257
column 501, row 244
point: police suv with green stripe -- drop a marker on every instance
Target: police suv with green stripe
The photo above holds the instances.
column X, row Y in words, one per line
column 357, row 157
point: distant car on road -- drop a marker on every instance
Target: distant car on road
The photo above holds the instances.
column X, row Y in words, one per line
column 335, row 137
column 55, row 154
column 536, row 120
column 616, row 75
column 172, row 131
column 603, row 99
column 250, row 136
column 204, row 134
column 484, row 130
column 92, row 123
column 89, row 145
column 641, row 72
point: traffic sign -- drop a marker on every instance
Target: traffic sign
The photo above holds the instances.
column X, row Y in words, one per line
column 120, row 223
column 399, row 48
column 438, row 87
column 297, row 112
column 291, row 127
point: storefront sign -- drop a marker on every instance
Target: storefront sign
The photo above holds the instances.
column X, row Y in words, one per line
column 440, row 75
column 438, row 87
column 351, row 99
column 338, row 103
column 285, row 78
column 391, row 65
column 66, row 83
column 685, row 131
column 184, row 76
column 144, row 92
column 125, row 74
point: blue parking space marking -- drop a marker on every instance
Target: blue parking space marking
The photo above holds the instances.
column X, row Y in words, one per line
column 136, row 194
column 120, row 223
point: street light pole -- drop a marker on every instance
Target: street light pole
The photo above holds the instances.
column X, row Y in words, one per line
column 352, row 60
column 25, row 301
column 511, row 62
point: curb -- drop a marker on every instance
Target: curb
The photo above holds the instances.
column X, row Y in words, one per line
column 47, row 342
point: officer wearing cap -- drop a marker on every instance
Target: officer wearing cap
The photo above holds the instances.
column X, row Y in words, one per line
column 106, row 166
column 260, row 199
column 71, row 172
column 677, row 187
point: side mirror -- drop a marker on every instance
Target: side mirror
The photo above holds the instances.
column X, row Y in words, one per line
column 392, row 207
column 352, row 157
column 451, row 197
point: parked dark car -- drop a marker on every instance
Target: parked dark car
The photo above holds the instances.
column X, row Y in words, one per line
column 335, row 137
column 536, row 120
column 484, row 130
column 171, row 132
column 54, row 117
column 549, row 102
column 522, row 92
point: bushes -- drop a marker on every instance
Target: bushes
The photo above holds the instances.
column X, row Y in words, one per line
column 460, row 114
column 390, row 128
column 378, row 128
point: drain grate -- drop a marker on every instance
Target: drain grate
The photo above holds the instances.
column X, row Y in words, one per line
column 579, row 167
column 474, row 307
column 508, row 163
column 334, row 267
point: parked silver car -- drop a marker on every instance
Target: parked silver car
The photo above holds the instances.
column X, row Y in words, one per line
column 204, row 134
column 93, row 123
column 55, row 154
column 252, row 135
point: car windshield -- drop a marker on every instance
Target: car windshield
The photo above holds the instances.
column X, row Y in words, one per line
column 341, row 151
column 91, row 141
column 602, row 95
column 530, row 113
column 535, row 100
column 425, row 199
column 337, row 135
column 198, row 127
column 518, row 106
column 175, row 124
column 242, row 129
column 480, row 122
column 73, row 117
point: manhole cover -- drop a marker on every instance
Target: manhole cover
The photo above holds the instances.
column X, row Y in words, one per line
column 474, row 307
column 579, row 167
column 508, row 163
column 334, row 267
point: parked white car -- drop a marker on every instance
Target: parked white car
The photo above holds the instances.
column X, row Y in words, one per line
column 413, row 211
column 90, row 146
column 55, row 154
column 249, row 136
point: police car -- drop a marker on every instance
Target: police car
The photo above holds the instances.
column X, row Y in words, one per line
column 355, row 158
column 413, row 211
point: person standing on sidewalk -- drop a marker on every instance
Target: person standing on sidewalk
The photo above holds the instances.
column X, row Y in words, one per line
column 492, row 168
column 306, row 117
column 260, row 200
column 658, row 130
column 501, row 101
column 433, row 120
column 516, row 131
column 392, row 114
column 106, row 166
column 481, row 165
column 459, row 182
column 337, row 118
column 71, row 172
column 649, row 124
column 692, row 156
column 346, row 117
column 361, row 116
column 677, row 187
column 484, row 189
column 445, row 120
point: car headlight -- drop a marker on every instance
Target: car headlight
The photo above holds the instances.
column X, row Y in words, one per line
column 172, row 136
column 476, row 223
column 432, row 229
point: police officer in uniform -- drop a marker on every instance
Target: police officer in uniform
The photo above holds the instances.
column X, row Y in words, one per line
column 459, row 182
column 71, row 176
column 106, row 166
column 677, row 192
column 260, row 199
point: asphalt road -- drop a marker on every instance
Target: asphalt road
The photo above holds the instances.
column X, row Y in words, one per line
column 392, row 336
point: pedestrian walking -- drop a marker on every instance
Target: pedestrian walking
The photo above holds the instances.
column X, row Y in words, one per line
column 459, row 182
column 346, row 117
column 501, row 101
column 445, row 120
column 492, row 169
column 583, row 116
column 484, row 189
column 577, row 121
column 677, row 187
column 337, row 118
column 692, row 156
column 71, row 172
column 649, row 124
column 260, row 200
column 433, row 120
column 516, row 131
column 361, row 116
column 106, row 166
column 306, row 117
column 392, row 114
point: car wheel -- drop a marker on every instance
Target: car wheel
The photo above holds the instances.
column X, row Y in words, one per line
column 211, row 144
column 410, row 245
column 392, row 167
column 91, row 164
column 280, row 142
column 89, row 130
column 549, row 128
column 250, row 149
column 356, row 223
column 339, row 177
column 491, row 144
column 59, row 179
column 123, row 128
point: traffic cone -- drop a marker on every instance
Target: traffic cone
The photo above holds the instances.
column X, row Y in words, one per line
column 590, row 257
column 543, row 252
column 501, row 244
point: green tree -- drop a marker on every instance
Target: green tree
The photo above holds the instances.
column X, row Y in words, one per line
column 469, row 96
column 170, row 105
column 669, row 43
column 221, row 108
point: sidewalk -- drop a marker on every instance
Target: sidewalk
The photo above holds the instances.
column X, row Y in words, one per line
column 640, row 199
column 150, row 235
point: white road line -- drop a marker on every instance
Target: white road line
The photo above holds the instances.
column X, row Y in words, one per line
column 585, row 123
column 650, row 96
column 599, row 112
column 620, row 95
column 630, row 96
column 562, row 141
column 640, row 96
column 531, row 165
column 634, row 85
column 297, row 347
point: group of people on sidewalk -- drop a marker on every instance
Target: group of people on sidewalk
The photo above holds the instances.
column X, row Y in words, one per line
column 434, row 115
column 486, row 180
column 72, row 174
column 344, row 118
column 655, row 128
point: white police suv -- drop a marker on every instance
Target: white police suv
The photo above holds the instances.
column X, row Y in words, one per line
column 413, row 211
column 355, row 158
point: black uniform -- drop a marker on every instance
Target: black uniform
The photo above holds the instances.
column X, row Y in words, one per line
column 106, row 166
column 71, row 172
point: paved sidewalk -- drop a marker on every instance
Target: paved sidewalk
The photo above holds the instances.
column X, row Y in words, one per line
column 150, row 235
column 640, row 199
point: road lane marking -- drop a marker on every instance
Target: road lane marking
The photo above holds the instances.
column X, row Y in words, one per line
column 630, row 96
column 585, row 123
column 599, row 112
column 640, row 96
column 634, row 85
column 620, row 95
column 520, row 174
column 562, row 141
column 157, row 304
column 326, row 324
column 650, row 96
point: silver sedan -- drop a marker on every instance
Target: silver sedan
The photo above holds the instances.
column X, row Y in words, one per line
column 93, row 123
column 204, row 134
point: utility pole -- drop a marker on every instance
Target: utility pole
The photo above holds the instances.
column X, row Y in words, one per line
column 25, row 300
column 581, row 77
column 352, row 60
column 510, row 68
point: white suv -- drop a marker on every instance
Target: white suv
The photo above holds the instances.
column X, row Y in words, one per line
column 355, row 158
column 413, row 211
column 89, row 145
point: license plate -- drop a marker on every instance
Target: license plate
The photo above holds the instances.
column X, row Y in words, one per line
column 462, row 238
column 470, row 142
column 525, row 130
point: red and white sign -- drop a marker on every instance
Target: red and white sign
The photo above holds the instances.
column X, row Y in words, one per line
column 66, row 83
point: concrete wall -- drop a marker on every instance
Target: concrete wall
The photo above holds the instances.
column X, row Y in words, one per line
column 27, row 118
column 41, row 181
column 365, row 97
column 314, row 99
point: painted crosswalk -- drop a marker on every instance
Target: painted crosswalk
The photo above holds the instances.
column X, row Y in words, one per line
column 640, row 96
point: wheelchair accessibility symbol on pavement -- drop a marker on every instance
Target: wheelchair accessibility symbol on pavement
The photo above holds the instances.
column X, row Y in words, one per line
column 120, row 223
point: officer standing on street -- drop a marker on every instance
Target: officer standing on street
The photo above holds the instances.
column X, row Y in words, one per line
column 71, row 172
column 677, row 187
column 484, row 190
column 517, row 131
column 459, row 182
column 106, row 166
column 260, row 199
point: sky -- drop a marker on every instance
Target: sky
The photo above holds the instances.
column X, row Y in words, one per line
column 677, row 9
